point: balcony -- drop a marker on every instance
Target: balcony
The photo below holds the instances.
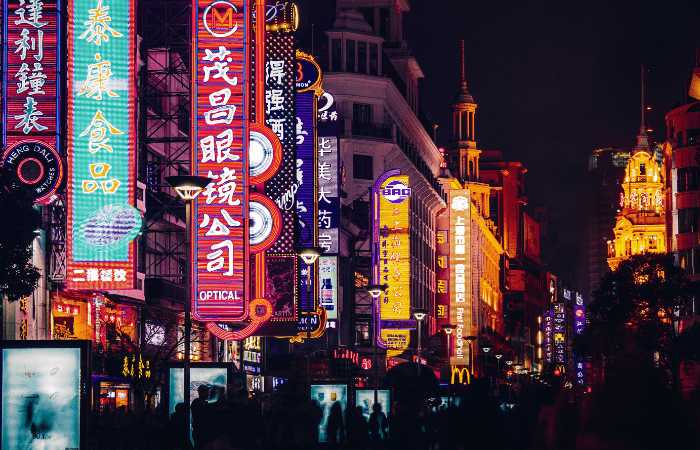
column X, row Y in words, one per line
column 367, row 129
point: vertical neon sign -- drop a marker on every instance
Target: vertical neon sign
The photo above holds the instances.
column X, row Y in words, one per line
column 460, row 274
column 391, row 258
column 102, row 220
column 220, row 106
column 31, row 59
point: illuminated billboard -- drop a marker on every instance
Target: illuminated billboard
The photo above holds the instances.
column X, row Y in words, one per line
column 102, row 221
column 548, row 326
column 220, row 129
column 460, row 274
column 45, row 394
column 579, row 326
column 559, row 323
column 327, row 396
column 32, row 59
column 391, row 257
column 328, row 195
column 364, row 398
column 328, row 285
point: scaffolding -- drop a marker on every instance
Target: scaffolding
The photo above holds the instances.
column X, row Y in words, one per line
column 164, row 132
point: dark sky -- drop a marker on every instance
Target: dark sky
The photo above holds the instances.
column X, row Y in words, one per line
column 553, row 81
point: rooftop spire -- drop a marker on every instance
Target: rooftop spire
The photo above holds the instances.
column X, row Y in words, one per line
column 463, row 95
column 642, row 139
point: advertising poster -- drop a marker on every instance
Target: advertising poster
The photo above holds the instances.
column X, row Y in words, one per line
column 326, row 396
column 328, row 289
column 208, row 376
column 460, row 276
column 364, row 398
column 42, row 406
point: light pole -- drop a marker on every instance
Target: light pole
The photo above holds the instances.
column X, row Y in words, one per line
column 517, row 375
column 486, row 355
column 188, row 188
column 375, row 290
column 471, row 339
column 498, row 373
column 309, row 255
column 509, row 362
column 448, row 331
column 419, row 314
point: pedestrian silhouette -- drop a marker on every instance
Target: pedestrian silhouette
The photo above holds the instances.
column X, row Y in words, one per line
column 336, row 427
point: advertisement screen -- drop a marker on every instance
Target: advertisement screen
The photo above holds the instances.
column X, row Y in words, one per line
column 41, row 403
column 364, row 398
column 208, row 376
column 101, row 120
column 326, row 396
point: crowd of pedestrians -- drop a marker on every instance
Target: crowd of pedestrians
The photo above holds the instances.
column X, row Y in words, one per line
column 240, row 422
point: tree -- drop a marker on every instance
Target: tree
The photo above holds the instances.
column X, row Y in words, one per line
column 633, row 311
column 146, row 351
column 18, row 222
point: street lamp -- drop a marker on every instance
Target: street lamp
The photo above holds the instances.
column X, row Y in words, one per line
column 375, row 290
column 309, row 255
column 517, row 374
column 471, row 339
column 498, row 374
column 448, row 328
column 188, row 188
column 486, row 352
column 419, row 314
column 509, row 362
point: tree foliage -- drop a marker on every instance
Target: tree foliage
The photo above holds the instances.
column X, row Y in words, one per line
column 18, row 222
column 634, row 309
column 158, row 340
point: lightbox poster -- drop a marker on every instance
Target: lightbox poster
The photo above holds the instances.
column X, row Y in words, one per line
column 102, row 220
column 41, row 404
column 220, row 110
column 328, row 196
column 326, row 396
column 460, row 275
column 328, row 285
column 33, row 58
column 364, row 398
column 391, row 257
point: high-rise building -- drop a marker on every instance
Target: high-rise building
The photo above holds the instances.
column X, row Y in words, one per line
column 683, row 126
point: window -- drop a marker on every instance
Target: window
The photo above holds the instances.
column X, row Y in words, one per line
column 155, row 334
column 688, row 179
column 679, row 139
column 361, row 57
column 373, row 59
column 350, row 55
column 689, row 260
column 362, row 167
column 335, row 56
column 361, row 113
column 384, row 23
column 692, row 136
column 688, row 220
column 642, row 169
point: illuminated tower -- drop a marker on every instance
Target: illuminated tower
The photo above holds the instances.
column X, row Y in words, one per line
column 463, row 156
column 641, row 222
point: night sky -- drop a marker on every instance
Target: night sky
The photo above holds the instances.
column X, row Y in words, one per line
column 553, row 81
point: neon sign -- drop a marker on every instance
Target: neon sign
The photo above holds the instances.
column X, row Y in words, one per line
column 391, row 257
column 102, row 220
column 220, row 106
column 460, row 274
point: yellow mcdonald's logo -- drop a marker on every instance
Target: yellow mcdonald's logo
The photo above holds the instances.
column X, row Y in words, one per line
column 227, row 15
column 460, row 371
column 560, row 368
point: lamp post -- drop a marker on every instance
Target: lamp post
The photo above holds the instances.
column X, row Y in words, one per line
column 486, row 354
column 188, row 188
column 448, row 328
column 419, row 315
column 509, row 362
column 498, row 373
column 471, row 339
column 375, row 290
column 309, row 255
column 517, row 375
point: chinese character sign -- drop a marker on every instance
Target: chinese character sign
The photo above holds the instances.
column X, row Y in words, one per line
column 328, row 281
column 548, row 326
column 559, row 320
column 579, row 326
column 328, row 195
column 460, row 274
column 392, row 257
column 220, row 139
column 102, row 220
column 32, row 60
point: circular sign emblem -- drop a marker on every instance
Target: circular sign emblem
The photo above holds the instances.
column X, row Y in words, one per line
column 308, row 73
column 396, row 192
column 37, row 167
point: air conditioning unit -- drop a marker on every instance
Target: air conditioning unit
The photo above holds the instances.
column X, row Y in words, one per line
column 141, row 197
